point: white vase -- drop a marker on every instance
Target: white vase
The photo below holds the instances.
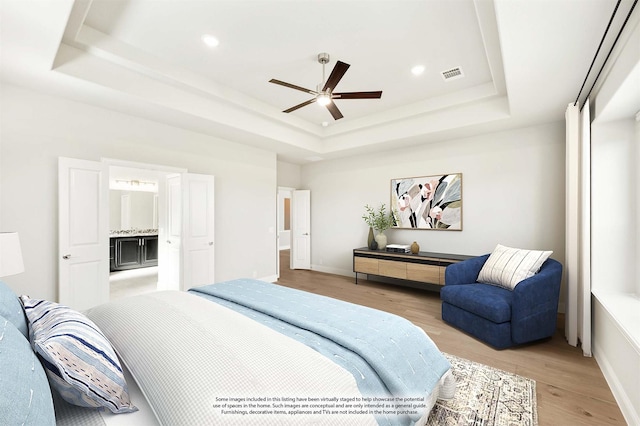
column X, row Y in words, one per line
column 381, row 239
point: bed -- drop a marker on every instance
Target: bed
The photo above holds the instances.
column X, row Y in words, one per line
column 251, row 352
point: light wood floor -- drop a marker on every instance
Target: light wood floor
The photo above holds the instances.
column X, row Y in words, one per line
column 571, row 389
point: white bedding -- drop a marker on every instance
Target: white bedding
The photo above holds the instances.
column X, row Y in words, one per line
column 187, row 354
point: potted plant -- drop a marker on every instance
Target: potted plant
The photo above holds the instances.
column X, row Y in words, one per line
column 378, row 220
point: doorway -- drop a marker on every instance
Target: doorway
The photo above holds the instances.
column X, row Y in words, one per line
column 284, row 218
column 185, row 237
column 294, row 228
column 134, row 217
column 283, row 213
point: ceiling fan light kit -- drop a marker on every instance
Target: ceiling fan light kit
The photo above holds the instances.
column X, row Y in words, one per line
column 323, row 99
column 325, row 96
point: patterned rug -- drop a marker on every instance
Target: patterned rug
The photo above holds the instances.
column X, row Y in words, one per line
column 486, row 396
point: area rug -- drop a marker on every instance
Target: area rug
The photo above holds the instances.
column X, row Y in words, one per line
column 486, row 396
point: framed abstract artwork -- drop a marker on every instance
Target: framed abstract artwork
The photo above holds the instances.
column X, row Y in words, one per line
column 428, row 202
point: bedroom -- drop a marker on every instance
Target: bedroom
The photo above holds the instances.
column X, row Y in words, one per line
column 48, row 114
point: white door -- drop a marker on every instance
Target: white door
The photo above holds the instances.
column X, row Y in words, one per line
column 301, row 229
column 170, row 233
column 83, row 229
column 198, row 230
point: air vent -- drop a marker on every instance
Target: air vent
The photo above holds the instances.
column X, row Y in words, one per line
column 452, row 74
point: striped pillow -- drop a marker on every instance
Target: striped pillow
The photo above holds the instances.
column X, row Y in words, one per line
column 507, row 266
column 79, row 361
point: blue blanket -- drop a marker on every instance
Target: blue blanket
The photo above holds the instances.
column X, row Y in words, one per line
column 387, row 354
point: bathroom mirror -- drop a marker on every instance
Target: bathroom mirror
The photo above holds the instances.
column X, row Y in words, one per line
column 132, row 210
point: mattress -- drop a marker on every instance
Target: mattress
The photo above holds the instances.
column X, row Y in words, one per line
column 198, row 362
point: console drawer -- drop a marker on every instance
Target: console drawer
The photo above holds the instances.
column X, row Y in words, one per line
column 424, row 273
column 365, row 265
column 389, row 268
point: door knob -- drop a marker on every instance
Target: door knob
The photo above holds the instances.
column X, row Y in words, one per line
column 306, row 233
column 66, row 256
column 210, row 243
column 168, row 242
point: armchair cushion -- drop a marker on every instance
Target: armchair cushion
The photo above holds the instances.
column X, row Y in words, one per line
column 508, row 266
column 488, row 301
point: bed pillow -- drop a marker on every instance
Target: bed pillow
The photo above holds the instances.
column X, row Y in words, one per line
column 25, row 397
column 507, row 266
column 11, row 309
column 79, row 361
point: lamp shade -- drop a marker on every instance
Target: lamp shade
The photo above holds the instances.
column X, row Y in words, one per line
column 10, row 254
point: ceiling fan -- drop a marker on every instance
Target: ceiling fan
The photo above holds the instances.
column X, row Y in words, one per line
column 326, row 95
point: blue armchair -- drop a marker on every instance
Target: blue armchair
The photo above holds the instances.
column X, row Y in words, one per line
column 496, row 315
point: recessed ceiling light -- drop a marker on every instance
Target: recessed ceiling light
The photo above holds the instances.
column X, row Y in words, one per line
column 417, row 70
column 325, row 123
column 210, row 40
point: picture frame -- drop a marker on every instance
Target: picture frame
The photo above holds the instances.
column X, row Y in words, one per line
column 431, row 202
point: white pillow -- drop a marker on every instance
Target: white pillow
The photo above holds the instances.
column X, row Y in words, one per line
column 507, row 266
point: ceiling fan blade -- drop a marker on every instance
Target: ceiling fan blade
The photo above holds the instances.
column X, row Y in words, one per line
column 357, row 95
column 310, row 101
column 292, row 86
column 335, row 112
column 336, row 76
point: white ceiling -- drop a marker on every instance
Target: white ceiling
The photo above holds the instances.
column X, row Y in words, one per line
column 263, row 40
column 523, row 62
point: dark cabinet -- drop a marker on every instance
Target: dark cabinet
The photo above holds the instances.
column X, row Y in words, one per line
column 128, row 253
column 134, row 252
column 149, row 255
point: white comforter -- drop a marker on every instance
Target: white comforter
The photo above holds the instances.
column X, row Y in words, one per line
column 196, row 361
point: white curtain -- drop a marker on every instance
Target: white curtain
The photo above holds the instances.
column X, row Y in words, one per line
column 578, row 228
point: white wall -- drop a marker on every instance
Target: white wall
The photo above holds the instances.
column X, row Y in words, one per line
column 615, row 266
column 289, row 175
column 615, row 222
column 513, row 194
column 614, row 216
column 36, row 129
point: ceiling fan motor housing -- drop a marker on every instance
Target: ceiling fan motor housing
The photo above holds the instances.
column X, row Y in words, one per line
column 323, row 58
